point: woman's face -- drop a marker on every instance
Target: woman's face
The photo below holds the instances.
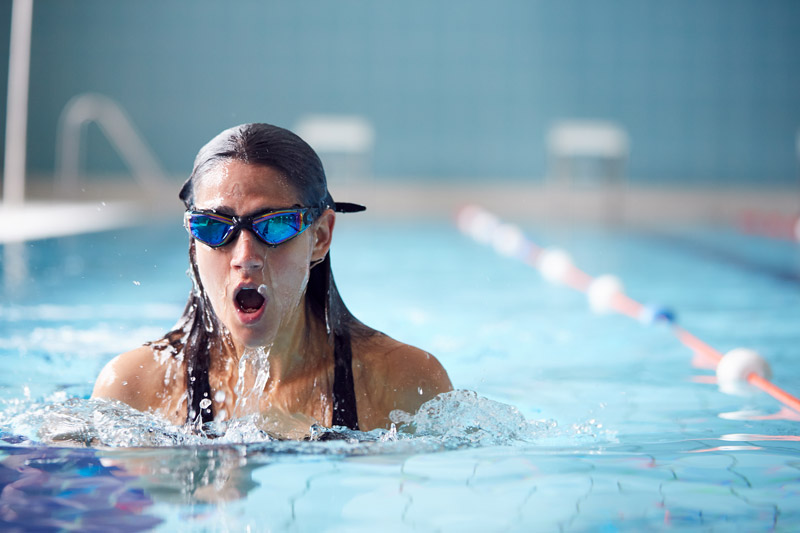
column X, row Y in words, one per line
column 236, row 273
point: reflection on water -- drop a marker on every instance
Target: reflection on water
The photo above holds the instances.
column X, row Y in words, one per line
column 460, row 458
column 15, row 267
column 52, row 489
column 190, row 465
column 368, row 478
column 138, row 459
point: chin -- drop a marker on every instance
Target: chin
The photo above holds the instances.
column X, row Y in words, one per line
column 252, row 338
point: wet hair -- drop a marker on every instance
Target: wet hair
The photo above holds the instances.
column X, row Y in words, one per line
column 199, row 333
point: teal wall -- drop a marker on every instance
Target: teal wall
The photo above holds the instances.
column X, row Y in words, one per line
column 708, row 89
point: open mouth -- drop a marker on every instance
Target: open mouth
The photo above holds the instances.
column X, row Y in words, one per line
column 249, row 300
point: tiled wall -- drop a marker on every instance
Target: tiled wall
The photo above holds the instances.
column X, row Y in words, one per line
column 709, row 90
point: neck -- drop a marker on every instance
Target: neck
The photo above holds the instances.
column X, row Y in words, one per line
column 299, row 348
column 284, row 374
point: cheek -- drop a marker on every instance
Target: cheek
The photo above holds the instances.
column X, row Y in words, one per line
column 288, row 275
column 211, row 266
column 294, row 278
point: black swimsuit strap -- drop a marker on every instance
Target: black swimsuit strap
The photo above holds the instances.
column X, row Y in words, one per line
column 345, row 412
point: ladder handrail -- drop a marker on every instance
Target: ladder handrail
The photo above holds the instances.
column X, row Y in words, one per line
column 117, row 128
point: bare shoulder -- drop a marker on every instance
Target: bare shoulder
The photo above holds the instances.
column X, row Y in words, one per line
column 402, row 365
column 393, row 375
column 142, row 378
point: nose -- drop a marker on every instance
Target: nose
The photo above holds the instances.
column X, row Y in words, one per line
column 247, row 253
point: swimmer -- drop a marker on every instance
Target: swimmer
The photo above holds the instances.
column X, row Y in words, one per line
column 265, row 331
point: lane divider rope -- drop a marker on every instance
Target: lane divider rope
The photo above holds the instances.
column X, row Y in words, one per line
column 606, row 294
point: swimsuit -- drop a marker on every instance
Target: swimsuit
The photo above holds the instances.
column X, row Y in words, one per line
column 345, row 412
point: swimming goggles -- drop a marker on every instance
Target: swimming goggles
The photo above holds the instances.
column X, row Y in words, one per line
column 271, row 227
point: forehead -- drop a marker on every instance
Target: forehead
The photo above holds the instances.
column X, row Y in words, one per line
column 243, row 187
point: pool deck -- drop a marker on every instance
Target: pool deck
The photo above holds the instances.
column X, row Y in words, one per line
column 631, row 205
column 46, row 215
column 41, row 220
column 104, row 206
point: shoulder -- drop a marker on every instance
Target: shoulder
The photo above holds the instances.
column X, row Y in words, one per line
column 142, row 378
column 403, row 366
column 393, row 375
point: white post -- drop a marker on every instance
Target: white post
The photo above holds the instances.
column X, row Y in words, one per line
column 17, row 106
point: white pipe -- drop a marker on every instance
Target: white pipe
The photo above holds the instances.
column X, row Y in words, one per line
column 117, row 128
column 17, row 105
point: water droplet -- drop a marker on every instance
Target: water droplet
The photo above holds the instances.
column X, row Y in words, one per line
column 137, row 283
column 124, row 383
column 205, row 403
column 419, row 390
column 219, row 396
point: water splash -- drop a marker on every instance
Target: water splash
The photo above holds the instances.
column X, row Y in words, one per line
column 252, row 380
column 78, row 422
column 451, row 420
column 461, row 417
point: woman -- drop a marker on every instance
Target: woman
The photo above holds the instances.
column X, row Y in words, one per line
column 265, row 330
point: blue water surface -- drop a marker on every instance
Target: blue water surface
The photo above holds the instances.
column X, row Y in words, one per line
column 623, row 433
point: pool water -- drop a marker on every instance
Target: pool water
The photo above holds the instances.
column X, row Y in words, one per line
column 577, row 421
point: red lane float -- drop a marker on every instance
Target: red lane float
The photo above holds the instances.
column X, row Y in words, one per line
column 772, row 225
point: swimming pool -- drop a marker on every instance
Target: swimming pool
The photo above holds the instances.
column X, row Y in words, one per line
column 622, row 432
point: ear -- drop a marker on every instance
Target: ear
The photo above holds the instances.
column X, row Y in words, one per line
column 323, row 233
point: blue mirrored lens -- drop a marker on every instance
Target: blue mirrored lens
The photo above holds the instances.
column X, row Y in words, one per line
column 209, row 230
column 275, row 229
